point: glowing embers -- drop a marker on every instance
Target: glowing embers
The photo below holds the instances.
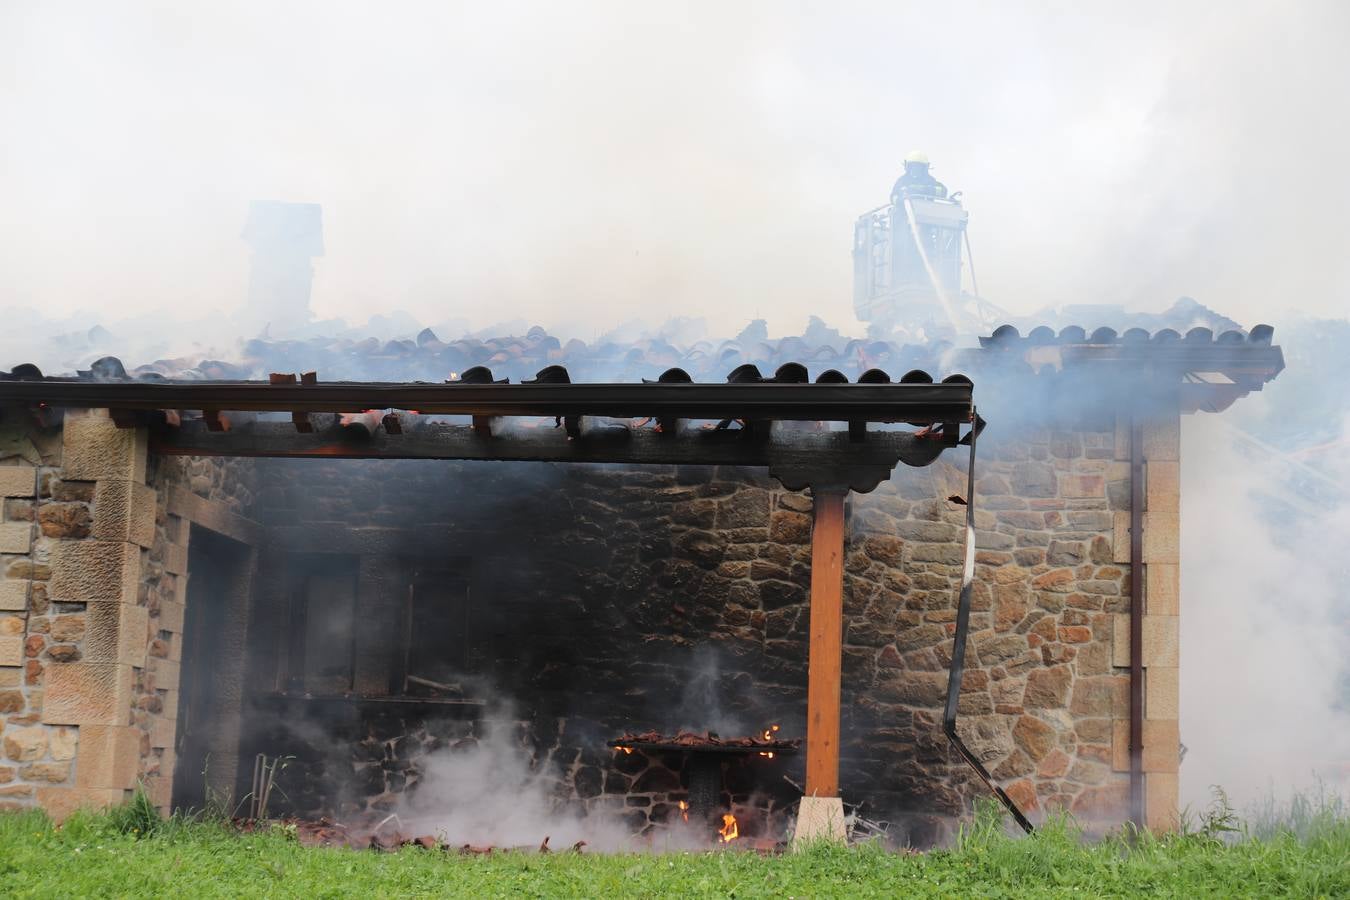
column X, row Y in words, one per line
column 767, row 741
column 719, row 775
column 768, row 737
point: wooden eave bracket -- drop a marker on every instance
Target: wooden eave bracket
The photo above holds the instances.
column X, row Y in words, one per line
column 301, row 420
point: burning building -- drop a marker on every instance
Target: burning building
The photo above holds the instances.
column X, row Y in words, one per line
column 202, row 569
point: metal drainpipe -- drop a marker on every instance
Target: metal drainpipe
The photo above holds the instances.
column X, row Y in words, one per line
column 1136, row 621
column 958, row 662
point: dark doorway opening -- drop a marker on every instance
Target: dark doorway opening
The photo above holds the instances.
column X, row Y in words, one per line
column 207, row 739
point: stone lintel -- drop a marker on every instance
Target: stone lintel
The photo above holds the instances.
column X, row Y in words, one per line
column 213, row 516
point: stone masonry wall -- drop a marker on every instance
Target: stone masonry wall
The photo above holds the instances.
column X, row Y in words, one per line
column 91, row 610
column 595, row 588
column 600, row 596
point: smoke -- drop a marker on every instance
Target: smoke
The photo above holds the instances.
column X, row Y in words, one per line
column 493, row 792
column 577, row 168
column 700, row 708
column 1263, row 625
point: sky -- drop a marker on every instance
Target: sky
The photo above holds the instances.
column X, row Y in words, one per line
column 579, row 165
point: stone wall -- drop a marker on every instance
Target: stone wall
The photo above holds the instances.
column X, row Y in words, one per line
column 594, row 590
column 601, row 600
column 91, row 609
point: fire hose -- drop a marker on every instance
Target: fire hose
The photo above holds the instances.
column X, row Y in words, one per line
column 958, row 665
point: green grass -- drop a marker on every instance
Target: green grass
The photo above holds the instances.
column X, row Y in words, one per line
column 127, row 853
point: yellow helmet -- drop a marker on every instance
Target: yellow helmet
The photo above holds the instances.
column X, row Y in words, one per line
column 917, row 156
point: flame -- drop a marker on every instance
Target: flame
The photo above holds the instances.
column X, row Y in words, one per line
column 728, row 832
column 684, row 810
column 624, row 749
column 768, row 736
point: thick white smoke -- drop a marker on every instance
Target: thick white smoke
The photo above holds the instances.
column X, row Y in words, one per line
column 577, row 166
column 1263, row 627
column 492, row 792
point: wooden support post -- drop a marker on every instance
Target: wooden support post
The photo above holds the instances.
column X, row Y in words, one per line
column 827, row 633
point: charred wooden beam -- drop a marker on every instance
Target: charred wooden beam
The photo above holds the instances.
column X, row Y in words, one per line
column 796, row 458
column 926, row 403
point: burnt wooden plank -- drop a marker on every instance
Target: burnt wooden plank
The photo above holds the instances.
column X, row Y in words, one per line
column 797, row 457
column 799, row 402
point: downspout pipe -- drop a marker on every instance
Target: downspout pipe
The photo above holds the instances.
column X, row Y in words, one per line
column 958, row 664
column 1137, row 815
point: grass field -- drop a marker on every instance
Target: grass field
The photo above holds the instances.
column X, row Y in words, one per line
column 126, row 853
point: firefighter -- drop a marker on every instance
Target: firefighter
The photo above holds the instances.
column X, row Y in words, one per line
column 917, row 181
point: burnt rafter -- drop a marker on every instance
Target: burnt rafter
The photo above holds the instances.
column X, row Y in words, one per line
column 796, row 458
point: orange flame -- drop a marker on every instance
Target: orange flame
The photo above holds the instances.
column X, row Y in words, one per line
column 684, row 810
column 768, row 736
column 728, row 832
column 624, row 749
